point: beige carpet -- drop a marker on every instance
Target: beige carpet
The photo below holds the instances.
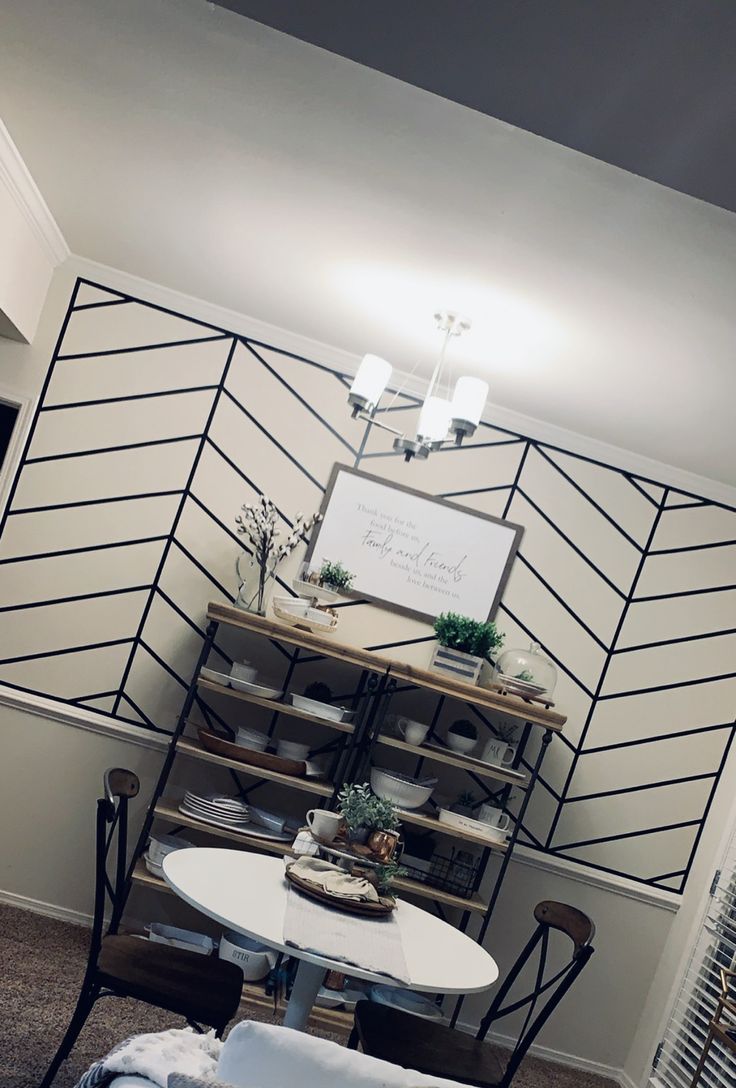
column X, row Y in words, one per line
column 42, row 963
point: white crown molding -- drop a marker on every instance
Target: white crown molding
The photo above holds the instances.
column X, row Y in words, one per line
column 14, row 174
column 347, row 362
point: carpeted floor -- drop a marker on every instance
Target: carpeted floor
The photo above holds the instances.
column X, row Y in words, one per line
column 42, row 965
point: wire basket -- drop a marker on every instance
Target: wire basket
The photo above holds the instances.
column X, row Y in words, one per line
column 455, row 873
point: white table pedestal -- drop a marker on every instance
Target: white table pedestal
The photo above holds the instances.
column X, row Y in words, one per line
column 309, row 978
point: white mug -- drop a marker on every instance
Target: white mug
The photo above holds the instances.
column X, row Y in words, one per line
column 324, row 824
column 489, row 814
column 412, row 732
column 498, row 752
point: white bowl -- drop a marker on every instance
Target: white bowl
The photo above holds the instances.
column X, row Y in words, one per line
column 403, row 791
column 251, row 957
column 161, row 845
column 463, row 745
column 320, row 710
column 291, row 749
column 251, row 738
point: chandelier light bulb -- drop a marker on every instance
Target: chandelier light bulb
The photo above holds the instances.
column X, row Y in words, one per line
column 434, row 419
column 469, row 400
column 369, row 383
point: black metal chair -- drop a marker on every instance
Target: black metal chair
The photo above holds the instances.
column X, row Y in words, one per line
column 201, row 989
column 439, row 1051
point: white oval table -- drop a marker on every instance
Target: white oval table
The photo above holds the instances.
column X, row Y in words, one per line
column 247, row 893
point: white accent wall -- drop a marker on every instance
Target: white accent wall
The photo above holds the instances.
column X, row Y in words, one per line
column 58, row 750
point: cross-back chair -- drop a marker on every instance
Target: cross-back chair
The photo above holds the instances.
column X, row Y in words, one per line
column 201, row 989
column 723, row 1025
column 440, row 1051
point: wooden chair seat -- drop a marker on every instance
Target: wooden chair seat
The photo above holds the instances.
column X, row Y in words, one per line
column 191, row 985
column 433, row 1049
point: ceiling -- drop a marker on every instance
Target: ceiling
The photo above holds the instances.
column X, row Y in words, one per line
column 647, row 85
column 185, row 144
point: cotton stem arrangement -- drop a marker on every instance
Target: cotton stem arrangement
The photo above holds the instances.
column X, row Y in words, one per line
column 259, row 525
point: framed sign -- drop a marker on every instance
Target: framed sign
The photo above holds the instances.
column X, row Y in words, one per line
column 412, row 552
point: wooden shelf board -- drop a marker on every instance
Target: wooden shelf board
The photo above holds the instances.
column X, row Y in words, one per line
column 284, row 632
column 190, row 748
column 275, row 707
column 511, row 706
column 500, row 774
column 142, row 876
column 431, row 823
column 172, row 815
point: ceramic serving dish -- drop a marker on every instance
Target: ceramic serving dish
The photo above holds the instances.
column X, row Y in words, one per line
column 320, row 710
column 476, row 827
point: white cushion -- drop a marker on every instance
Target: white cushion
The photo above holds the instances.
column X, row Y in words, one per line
column 131, row 1081
column 267, row 1056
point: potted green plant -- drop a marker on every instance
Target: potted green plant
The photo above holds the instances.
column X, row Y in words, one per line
column 386, row 874
column 363, row 812
column 465, row 804
column 462, row 736
column 463, row 644
column 335, row 577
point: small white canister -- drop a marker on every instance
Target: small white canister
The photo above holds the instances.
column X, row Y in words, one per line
column 254, row 959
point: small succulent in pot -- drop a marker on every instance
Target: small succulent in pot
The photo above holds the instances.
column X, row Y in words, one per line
column 363, row 812
column 335, row 576
column 321, row 693
column 462, row 736
column 467, row 635
column 465, row 804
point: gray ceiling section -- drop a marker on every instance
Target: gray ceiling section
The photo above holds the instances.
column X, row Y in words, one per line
column 647, row 85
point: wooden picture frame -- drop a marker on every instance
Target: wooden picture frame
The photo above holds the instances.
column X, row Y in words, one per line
column 411, row 552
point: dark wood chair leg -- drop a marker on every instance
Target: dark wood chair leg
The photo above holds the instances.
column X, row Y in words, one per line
column 354, row 1039
column 699, row 1067
column 85, row 1002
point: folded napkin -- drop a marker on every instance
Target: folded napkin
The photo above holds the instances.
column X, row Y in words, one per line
column 330, row 878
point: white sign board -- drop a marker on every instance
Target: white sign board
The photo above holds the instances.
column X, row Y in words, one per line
column 415, row 553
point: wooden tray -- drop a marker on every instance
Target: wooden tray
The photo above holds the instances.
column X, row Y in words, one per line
column 221, row 747
column 383, row 907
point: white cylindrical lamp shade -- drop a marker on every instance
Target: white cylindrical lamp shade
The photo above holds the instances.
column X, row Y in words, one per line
column 469, row 400
column 434, row 419
column 371, row 380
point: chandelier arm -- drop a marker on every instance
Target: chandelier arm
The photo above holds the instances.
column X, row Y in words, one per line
column 377, row 423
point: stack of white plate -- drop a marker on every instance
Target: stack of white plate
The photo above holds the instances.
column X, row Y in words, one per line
column 228, row 812
column 218, row 808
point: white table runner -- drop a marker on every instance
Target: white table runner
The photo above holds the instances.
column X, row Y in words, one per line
column 373, row 944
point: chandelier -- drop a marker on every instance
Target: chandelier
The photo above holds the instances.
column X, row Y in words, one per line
column 446, row 415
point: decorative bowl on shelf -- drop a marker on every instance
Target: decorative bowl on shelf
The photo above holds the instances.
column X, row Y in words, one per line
column 527, row 672
column 321, row 710
column 301, row 612
column 403, row 791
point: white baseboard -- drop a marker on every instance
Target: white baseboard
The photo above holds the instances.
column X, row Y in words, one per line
column 559, row 1057
column 50, row 910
